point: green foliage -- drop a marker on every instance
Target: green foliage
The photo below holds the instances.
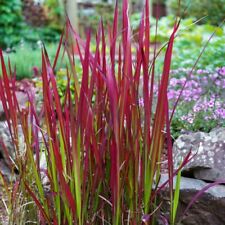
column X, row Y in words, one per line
column 61, row 78
column 176, row 197
column 46, row 34
column 189, row 43
column 186, row 52
column 56, row 13
column 213, row 10
column 13, row 28
column 135, row 20
column 11, row 23
column 26, row 57
column 90, row 18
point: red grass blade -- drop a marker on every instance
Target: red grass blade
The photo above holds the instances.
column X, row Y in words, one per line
column 32, row 194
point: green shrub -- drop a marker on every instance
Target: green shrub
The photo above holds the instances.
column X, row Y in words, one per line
column 13, row 28
column 186, row 52
column 56, row 13
column 189, row 43
column 213, row 10
column 11, row 23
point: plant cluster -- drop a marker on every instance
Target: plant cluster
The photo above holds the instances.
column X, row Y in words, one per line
column 89, row 17
column 186, row 52
column 26, row 58
column 14, row 29
column 56, row 13
column 189, row 42
column 102, row 157
column 100, row 144
column 209, row 11
column 189, row 30
column 201, row 100
column 11, row 23
column 201, row 106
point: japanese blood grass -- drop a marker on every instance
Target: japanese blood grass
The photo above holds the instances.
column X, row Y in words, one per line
column 103, row 159
column 16, row 201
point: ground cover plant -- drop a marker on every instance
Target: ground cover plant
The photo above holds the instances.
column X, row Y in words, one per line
column 209, row 11
column 201, row 106
column 97, row 155
column 31, row 54
column 202, row 103
column 190, row 39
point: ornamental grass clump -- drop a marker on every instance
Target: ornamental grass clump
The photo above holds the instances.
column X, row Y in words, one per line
column 101, row 158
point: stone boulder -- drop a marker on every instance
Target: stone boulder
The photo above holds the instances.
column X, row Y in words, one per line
column 207, row 210
column 209, row 149
column 22, row 100
column 7, row 153
column 5, row 138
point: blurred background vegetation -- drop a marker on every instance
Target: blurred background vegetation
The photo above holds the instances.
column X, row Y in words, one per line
column 25, row 24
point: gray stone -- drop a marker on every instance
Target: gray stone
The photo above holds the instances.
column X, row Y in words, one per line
column 208, row 174
column 209, row 150
column 22, row 100
column 1, row 111
column 8, row 153
column 207, row 210
column 6, row 139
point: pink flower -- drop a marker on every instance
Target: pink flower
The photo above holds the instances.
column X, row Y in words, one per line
column 196, row 108
column 190, row 120
column 221, row 71
column 211, row 104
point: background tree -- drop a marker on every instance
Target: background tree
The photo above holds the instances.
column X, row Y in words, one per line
column 71, row 11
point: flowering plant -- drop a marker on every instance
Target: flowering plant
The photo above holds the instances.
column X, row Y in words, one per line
column 202, row 103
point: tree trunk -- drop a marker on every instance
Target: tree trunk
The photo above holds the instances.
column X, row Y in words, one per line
column 71, row 11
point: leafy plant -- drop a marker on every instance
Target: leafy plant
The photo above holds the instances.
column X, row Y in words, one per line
column 89, row 17
column 202, row 103
column 56, row 13
column 47, row 34
column 14, row 29
column 10, row 22
column 26, row 58
column 189, row 42
column 102, row 150
column 209, row 11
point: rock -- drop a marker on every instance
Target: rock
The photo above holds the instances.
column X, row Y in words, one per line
column 2, row 113
column 209, row 162
column 8, row 153
column 6, row 171
column 207, row 210
column 211, row 174
column 6, row 139
column 22, row 100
